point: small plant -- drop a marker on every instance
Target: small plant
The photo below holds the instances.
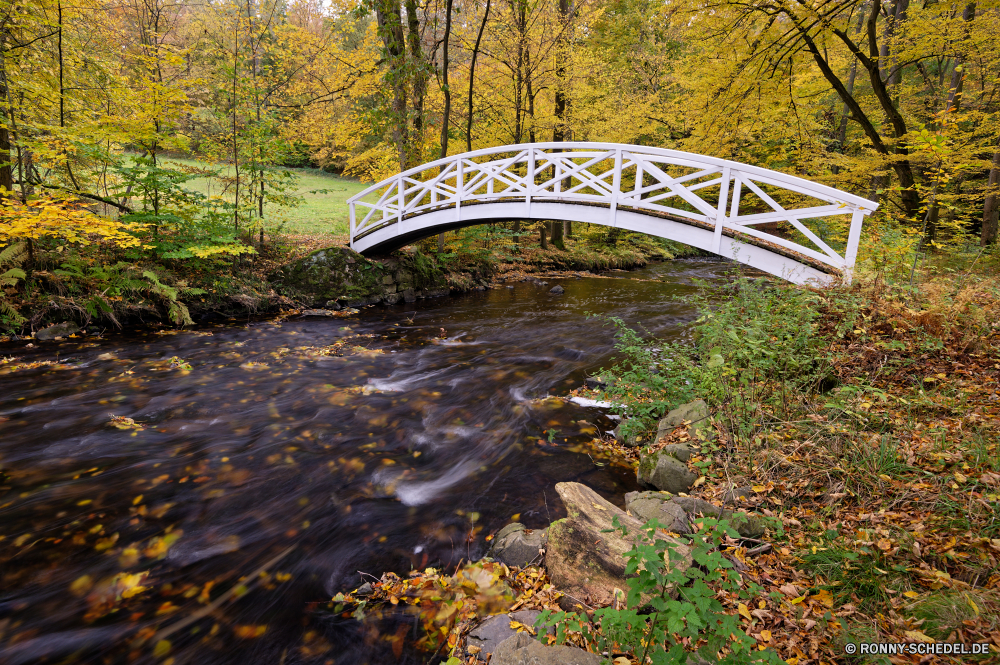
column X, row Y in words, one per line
column 10, row 258
column 670, row 601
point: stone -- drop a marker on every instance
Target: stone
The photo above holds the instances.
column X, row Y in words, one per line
column 647, row 506
column 522, row 649
column 387, row 280
column 316, row 312
column 409, row 295
column 488, row 635
column 678, row 450
column 392, row 299
column 630, row 441
column 737, row 494
column 677, row 512
column 585, row 553
column 63, row 329
column 333, row 304
column 517, row 546
column 664, row 472
column 364, row 590
column 557, row 290
column 594, row 382
column 696, row 413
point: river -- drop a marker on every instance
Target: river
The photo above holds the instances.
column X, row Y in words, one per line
column 144, row 474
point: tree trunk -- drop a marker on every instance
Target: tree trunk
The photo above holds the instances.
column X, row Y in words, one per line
column 6, row 173
column 557, row 235
column 542, row 238
column 446, row 114
column 417, row 66
column 390, row 30
column 991, row 209
column 472, row 76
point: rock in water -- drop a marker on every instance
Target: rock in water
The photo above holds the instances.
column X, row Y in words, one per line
column 63, row 329
column 557, row 290
column 522, row 649
column 664, row 472
column 585, row 553
column 516, row 546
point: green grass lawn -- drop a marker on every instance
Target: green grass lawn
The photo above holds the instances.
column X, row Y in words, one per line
column 319, row 213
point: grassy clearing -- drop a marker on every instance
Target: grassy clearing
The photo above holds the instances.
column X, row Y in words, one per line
column 323, row 210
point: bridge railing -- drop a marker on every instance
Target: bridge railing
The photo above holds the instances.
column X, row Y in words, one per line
column 732, row 199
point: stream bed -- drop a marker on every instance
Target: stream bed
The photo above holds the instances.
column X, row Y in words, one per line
column 142, row 475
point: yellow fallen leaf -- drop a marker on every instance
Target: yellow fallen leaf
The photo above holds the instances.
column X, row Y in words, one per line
column 700, row 481
column 960, row 477
column 759, row 488
column 911, row 594
column 745, row 611
column 765, row 635
column 161, row 649
column 885, row 477
column 796, row 601
column 81, row 585
column 917, row 636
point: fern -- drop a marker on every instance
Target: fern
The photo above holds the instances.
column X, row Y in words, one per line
column 12, row 256
column 176, row 310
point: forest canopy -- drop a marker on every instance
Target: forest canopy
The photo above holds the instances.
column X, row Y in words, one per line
column 895, row 101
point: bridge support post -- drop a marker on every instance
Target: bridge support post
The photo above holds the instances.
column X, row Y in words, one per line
column 853, row 240
column 720, row 215
column 616, row 187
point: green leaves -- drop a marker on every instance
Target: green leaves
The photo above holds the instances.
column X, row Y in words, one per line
column 695, row 613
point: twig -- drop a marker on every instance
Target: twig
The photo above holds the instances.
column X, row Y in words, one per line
column 760, row 549
column 215, row 604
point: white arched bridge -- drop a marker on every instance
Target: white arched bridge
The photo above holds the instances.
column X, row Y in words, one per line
column 766, row 219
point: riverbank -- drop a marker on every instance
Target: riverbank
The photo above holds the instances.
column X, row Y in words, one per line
column 860, row 425
column 99, row 291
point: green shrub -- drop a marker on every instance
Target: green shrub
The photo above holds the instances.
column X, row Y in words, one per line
column 668, row 603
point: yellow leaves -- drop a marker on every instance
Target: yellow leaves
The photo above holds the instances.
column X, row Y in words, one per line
column 61, row 217
column 106, row 543
column 249, row 632
column 917, row 636
column 162, row 648
column 158, row 547
column 127, row 585
column 121, row 422
column 521, row 628
column 745, row 612
column 911, row 594
column 129, row 557
column 960, row 477
column 81, row 585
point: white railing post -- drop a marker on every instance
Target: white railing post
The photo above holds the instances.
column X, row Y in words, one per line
column 354, row 224
column 853, row 240
column 529, row 181
column 399, row 203
column 616, row 186
column 459, row 190
column 720, row 217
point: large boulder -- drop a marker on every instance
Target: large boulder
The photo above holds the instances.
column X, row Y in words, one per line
column 517, row 546
column 522, row 649
column 488, row 635
column 665, row 472
column 676, row 513
column 585, row 554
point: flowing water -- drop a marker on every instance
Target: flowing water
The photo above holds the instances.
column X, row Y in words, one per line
column 395, row 438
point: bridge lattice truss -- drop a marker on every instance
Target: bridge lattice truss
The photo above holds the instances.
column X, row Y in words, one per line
column 758, row 206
